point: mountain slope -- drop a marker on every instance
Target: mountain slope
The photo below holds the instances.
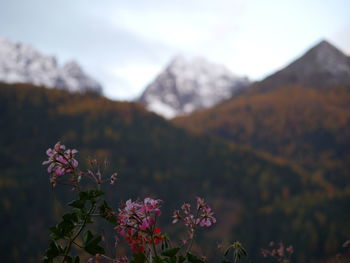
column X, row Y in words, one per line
column 300, row 113
column 311, row 127
column 190, row 84
column 23, row 64
column 322, row 65
column 153, row 158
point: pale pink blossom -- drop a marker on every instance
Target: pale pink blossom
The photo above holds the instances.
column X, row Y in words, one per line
column 60, row 162
column 202, row 216
column 113, row 178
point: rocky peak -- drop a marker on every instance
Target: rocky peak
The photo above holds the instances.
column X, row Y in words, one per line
column 189, row 84
column 324, row 57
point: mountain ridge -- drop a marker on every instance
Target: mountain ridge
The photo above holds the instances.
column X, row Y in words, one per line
column 21, row 63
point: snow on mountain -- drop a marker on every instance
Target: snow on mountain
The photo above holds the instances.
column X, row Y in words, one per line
column 188, row 84
column 22, row 63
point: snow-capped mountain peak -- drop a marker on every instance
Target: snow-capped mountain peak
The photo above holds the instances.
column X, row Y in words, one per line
column 188, row 84
column 22, row 63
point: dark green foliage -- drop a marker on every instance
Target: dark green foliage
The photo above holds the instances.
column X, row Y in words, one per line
column 52, row 252
column 138, row 258
column 91, row 244
column 72, row 226
column 171, row 252
column 193, row 258
column 104, row 209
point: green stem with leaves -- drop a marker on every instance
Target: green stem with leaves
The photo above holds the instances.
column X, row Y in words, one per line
column 72, row 240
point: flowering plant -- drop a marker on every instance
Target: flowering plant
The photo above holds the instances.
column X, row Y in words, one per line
column 278, row 251
column 136, row 222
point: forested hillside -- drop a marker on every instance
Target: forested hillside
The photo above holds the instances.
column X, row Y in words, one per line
column 308, row 126
column 257, row 198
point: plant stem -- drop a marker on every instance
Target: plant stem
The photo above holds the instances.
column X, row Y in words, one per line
column 194, row 230
column 78, row 233
column 75, row 243
column 152, row 238
column 190, row 245
column 154, row 248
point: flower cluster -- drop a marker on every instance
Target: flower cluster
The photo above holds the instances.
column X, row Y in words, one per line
column 203, row 216
column 61, row 162
column 137, row 223
column 96, row 171
column 98, row 257
column 278, row 252
column 347, row 246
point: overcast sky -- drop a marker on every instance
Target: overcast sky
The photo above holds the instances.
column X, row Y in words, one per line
column 124, row 44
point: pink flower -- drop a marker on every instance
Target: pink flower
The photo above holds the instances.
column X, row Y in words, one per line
column 136, row 221
column 145, row 224
column 186, row 208
column 200, row 202
column 203, row 216
column 60, row 162
column 114, row 178
column 176, row 216
column 290, row 249
column 207, row 222
column 278, row 252
column 122, row 260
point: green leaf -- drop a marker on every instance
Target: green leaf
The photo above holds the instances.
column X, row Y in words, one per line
column 227, row 251
column 91, row 244
column 66, row 227
column 77, row 203
column 90, row 194
column 181, row 259
column 104, row 211
column 87, row 237
column 194, row 259
column 171, row 252
column 138, row 258
column 157, row 260
column 53, row 251
column 56, row 233
column 72, row 217
column 170, row 260
column 68, row 259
